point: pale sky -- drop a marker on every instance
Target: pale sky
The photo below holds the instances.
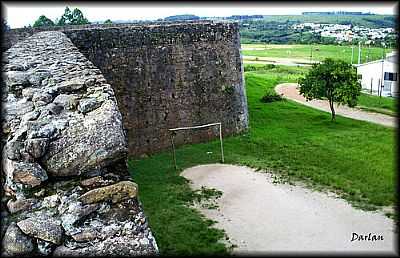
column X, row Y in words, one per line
column 22, row 14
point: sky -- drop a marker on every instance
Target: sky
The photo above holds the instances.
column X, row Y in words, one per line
column 22, row 14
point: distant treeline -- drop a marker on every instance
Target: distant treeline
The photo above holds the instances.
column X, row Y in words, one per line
column 335, row 13
column 245, row 17
column 182, row 17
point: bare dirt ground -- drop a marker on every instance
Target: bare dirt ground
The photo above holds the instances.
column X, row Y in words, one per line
column 266, row 47
column 261, row 217
column 290, row 91
column 278, row 60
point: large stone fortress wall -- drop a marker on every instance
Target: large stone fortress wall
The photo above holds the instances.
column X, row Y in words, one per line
column 170, row 75
column 166, row 75
column 66, row 190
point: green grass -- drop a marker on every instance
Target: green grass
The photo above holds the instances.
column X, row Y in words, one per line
column 304, row 52
column 385, row 105
column 356, row 159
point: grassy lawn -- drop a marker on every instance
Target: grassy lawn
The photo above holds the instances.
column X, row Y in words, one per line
column 319, row 52
column 356, row 159
column 385, row 105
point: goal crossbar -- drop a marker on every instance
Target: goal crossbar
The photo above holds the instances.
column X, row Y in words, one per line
column 197, row 127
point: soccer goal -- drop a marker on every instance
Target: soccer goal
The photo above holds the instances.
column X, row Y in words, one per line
column 174, row 130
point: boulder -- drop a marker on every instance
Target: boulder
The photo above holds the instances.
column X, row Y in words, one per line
column 36, row 147
column 16, row 243
column 13, row 149
column 45, row 228
column 16, row 78
column 21, row 204
column 41, row 98
column 117, row 192
column 91, row 142
column 67, row 101
column 71, row 85
column 30, row 174
column 89, row 104
column 36, row 77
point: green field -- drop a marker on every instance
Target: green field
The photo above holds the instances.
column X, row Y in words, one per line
column 353, row 158
column 319, row 52
column 384, row 105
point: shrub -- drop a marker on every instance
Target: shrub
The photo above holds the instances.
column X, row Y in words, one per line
column 271, row 96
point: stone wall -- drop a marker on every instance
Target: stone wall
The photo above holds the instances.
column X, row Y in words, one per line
column 166, row 75
column 170, row 75
column 66, row 187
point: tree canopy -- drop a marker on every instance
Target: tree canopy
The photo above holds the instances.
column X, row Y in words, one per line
column 108, row 21
column 333, row 79
column 75, row 17
column 43, row 21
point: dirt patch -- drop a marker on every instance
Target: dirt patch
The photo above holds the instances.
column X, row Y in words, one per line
column 261, row 216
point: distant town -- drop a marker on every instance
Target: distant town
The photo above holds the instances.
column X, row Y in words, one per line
column 345, row 32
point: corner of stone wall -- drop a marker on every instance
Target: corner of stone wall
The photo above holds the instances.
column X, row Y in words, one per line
column 66, row 187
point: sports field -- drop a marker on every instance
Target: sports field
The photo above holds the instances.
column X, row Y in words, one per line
column 314, row 52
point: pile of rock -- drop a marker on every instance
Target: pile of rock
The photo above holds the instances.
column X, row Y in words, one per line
column 67, row 189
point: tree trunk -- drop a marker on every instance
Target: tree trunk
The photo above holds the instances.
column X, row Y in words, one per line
column 332, row 109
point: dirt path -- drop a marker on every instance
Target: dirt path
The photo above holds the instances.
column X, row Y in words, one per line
column 290, row 91
column 260, row 216
column 277, row 60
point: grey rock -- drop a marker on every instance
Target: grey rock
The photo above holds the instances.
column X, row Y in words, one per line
column 41, row 98
column 16, row 78
column 51, row 201
column 88, row 143
column 44, row 247
column 54, row 109
column 67, row 101
column 30, row 174
column 18, row 107
column 71, row 85
column 38, row 76
column 36, row 147
column 15, row 242
column 30, row 116
column 41, row 130
column 45, row 228
column 89, row 104
column 21, row 204
column 28, row 93
column 76, row 212
column 13, row 149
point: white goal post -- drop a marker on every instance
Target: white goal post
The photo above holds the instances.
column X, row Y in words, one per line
column 173, row 130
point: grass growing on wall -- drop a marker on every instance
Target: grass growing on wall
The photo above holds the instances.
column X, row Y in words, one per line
column 354, row 158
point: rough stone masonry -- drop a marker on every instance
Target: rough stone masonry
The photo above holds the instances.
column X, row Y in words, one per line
column 67, row 191
column 78, row 100
column 166, row 75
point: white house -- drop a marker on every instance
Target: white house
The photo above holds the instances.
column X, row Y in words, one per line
column 380, row 76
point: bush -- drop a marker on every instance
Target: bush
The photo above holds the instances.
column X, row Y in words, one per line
column 271, row 96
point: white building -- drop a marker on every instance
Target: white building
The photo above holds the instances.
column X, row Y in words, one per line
column 380, row 76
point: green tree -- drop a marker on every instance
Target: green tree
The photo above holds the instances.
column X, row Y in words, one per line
column 4, row 25
column 108, row 21
column 43, row 21
column 333, row 79
column 75, row 17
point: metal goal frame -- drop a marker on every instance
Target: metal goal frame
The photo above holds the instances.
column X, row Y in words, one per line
column 173, row 130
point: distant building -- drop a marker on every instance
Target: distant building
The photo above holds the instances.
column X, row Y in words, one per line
column 380, row 76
